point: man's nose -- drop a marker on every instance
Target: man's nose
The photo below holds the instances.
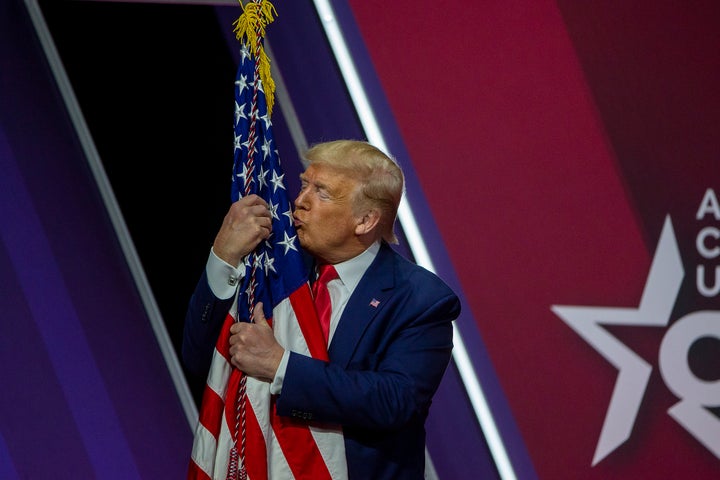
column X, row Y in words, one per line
column 300, row 200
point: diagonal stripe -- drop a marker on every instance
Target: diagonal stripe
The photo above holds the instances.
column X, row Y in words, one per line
column 203, row 454
column 194, row 471
column 212, row 411
column 72, row 360
column 299, row 447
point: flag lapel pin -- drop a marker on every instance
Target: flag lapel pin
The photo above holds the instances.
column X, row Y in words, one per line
column 374, row 302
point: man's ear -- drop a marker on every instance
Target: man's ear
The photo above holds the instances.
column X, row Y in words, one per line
column 367, row 222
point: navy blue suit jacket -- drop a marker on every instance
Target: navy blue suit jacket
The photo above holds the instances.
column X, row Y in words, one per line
column 387, row 357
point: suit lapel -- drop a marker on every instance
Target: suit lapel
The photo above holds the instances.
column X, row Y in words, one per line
column 368, row 299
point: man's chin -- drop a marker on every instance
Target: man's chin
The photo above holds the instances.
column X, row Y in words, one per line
column 301, row 237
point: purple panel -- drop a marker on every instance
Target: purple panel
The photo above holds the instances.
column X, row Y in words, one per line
column 89, row 391
column 7, row 469
column 38, row 409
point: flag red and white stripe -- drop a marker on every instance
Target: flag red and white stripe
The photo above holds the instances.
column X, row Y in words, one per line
column 277, row 448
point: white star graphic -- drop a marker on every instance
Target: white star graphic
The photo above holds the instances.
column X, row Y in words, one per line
column 266, row 148
column 288, row 214
column 245, row 174
column 268, row 123
column 273, row 207
column 269, row 241
column 277, row 181
column 658, row 298
column 244, row 53
column 258, row 260
column 269, row 261
column 262, row 177
column 237, row 141
column 241, row 84
column 239, row 112
column 288, row 242
column 246, row 144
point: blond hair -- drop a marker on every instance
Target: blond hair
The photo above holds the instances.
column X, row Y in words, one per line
column 381, row 180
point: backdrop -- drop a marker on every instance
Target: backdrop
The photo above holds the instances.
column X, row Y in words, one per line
column 562, row 164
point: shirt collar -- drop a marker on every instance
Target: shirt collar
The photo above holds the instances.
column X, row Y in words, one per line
column 351, row 271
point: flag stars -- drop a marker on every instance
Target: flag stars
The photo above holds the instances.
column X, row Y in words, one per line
column 273, row 210
column 288, row 214
column 258, row 260
column 244, row 53
column 269, row 261
column 268, row 241
column 262, row 177
column 241, row 83
column 246, row 144
column 239, row 112
column 238, row 143
column 257, row 160
column 266, row 118
column 277, row 181
column 266, row 148
column 245, row 174
column 288, row 242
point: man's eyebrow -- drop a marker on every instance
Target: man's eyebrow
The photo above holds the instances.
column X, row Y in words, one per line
column 315, row 183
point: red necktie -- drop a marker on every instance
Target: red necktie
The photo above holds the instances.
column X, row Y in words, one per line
column 322, row 297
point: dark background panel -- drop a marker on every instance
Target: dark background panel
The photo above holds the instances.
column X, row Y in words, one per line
column 87, row 389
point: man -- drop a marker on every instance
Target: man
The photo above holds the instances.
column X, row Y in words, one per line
column 390, row 334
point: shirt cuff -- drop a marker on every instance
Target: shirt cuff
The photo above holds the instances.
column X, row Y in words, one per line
column 276, row 385
column 223, row 278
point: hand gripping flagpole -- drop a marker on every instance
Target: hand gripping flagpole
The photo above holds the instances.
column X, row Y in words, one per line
column 250, row 30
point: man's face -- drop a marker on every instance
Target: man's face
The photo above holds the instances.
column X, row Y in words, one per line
column 323, row 214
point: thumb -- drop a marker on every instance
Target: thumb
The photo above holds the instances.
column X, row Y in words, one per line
column 259, row 314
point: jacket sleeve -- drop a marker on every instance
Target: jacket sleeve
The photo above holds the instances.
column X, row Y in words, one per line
column 203, row 320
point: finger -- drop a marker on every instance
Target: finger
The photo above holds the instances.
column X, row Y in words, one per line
column 261, row 210
column 267, row 230
column 235, row 328
column 263, row 220
column 254, row 199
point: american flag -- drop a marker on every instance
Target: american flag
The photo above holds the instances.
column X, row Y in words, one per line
column 238, row 432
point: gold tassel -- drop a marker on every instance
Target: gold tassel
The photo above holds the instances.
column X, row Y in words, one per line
column 250, row 29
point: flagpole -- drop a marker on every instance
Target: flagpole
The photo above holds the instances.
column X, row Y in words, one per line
column 250, row 30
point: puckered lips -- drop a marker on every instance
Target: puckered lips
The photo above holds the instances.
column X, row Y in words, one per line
column 296, row 221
